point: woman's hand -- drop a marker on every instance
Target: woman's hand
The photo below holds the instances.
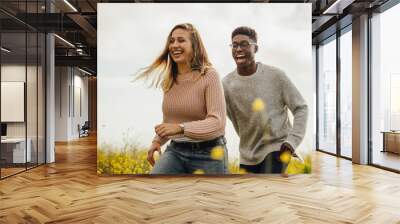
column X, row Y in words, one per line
column 166, row 129
column 150, row 154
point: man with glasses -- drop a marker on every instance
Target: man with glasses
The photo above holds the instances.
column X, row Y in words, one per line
column 258, row 97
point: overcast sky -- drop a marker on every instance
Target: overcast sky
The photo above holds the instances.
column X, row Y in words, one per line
column 131, row 36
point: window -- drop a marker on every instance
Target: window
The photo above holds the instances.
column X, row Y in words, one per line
column 327, row 96
column 385, row 89
column 346, row 75
column 22, row 66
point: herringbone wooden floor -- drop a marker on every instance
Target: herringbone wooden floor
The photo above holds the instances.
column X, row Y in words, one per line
column 70, row 191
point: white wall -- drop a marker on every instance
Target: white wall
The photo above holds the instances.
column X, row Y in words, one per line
column 80, row 109
column 12, row 73
column 16, row 73
column 62, row 82
column 33, row 127
column 313, row 110
column 70, row 83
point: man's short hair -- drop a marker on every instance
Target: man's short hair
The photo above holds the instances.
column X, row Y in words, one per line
column 245, row 30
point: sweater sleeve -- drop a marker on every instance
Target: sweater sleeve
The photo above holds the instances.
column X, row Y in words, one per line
column 214, row 123
column 229, row 111
column 297, row 105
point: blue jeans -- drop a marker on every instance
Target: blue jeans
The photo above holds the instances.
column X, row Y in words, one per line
column 178, row 160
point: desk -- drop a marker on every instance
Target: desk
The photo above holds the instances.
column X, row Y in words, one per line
column 15, row 148
column 391, row 141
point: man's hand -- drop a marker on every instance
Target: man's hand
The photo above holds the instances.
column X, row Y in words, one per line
column 285, row 153
column 286, row 147
column 166, row 129
column 150, row 154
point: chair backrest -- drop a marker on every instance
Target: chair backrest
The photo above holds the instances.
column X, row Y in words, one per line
column 86, row 125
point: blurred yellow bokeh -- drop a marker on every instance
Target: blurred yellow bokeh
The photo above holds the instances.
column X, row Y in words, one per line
column 258, row 105
column 285, row 157
column 217, row 153
column 242, row 171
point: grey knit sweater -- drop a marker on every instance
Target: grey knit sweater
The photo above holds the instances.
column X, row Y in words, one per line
column 262, row 132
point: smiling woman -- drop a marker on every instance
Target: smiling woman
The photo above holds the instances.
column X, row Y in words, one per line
column 193, row 107
column 180, row 47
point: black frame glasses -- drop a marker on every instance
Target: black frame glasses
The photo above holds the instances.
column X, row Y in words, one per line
column 242, row 45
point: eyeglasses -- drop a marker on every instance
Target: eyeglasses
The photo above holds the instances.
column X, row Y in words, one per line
column 243, row 45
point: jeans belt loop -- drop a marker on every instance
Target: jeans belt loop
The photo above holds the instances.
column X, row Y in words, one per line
column 223, row 139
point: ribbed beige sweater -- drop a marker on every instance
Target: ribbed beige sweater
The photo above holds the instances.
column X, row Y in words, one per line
column 199, row 103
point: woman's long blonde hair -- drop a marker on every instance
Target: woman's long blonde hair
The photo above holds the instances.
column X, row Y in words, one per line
column 164, row 70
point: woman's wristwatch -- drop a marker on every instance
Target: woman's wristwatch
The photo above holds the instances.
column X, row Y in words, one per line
column 182, row 127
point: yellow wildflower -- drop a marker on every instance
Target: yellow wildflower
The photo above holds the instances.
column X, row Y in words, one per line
column 242, row 171
column 198, row 171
